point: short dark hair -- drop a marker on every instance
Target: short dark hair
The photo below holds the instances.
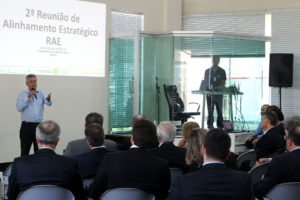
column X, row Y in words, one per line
column 278, row 112
column 144, row 134
column 94, row 118
column 30, row 76
column 217, row 144
column 94, row 134
column 272, row 116
column 294, row 135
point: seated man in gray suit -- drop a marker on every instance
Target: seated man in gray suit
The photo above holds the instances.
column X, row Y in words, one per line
column 80, row 146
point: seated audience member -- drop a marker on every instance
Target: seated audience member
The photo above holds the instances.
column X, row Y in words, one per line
column 280, row 116
column 134, row 168
column 287, row 124
column 271, row 142
column 45, row 166
column 253, row 138
column 175, row 156
column 187, row 127
column 126, row 142
column 213, row 180
column 80, row 146
column 194, row 158
column 283, row 168
column 89, row 162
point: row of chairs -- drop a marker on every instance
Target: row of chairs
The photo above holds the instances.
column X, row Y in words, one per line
column 60, row 193
column 50, row 192
column 289, row 191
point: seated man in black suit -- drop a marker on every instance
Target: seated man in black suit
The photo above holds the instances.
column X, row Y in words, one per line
column 280, row 116
column 45, row 166
column 213, row 180
column 175, row 156
column 283, row 168
column 134, row 168
column 272, row 140
column 80, row 146
column 89, row 162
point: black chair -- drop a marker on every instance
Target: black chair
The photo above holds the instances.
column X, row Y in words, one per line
column 245, row 160
column 290, row 191
column 257, row 173
column 126, row 194
column 176, row 105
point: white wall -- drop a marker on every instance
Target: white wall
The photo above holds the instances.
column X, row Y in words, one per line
column 74, row 97
column 200, row 6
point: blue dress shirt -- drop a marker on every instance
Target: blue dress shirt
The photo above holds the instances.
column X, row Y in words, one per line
column 32, row 109
column 258, row 130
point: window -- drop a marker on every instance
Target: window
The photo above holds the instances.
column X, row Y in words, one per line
column 121, row 69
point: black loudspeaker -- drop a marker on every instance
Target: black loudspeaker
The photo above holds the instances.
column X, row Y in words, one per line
column 281, row 70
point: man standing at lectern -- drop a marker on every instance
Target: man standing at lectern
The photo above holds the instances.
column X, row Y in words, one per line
column 30, row 103
column 214, row 80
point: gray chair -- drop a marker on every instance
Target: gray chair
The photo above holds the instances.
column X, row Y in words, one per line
column 246, row 159
column 126, row 194
column 289, row 191
column 4, row 185
column 7, row 171
column 46, row 192
column 257, row 173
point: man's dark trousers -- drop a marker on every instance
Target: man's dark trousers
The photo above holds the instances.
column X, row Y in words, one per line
column 27, row 137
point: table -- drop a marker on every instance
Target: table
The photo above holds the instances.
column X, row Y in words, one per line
column 226, row 91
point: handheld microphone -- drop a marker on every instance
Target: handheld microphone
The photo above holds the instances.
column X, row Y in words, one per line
column 34, row 94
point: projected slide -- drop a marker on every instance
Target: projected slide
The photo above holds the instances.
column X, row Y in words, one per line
column 52, row 37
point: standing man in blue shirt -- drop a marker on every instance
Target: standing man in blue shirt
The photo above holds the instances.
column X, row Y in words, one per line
column 30, row 103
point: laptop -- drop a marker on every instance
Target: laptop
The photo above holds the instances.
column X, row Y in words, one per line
column 228, row 127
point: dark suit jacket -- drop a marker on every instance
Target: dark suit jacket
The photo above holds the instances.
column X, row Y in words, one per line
column 269, row 143
column 88, row 163
column 283, row 168
column 44, row 167
column 174, row 155
column 212, row 181
column 134, row 168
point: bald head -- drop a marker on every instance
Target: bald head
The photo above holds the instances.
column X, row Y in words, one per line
column 137, row 118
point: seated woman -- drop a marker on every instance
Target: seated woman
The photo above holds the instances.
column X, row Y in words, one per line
column 187, row 127
column 194, row 159
column 195, row 139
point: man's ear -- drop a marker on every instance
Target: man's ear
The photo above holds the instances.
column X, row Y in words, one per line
column 131, row 140
column 88, row 143
column 203, row 149
column 37, row 140
column 56, row 141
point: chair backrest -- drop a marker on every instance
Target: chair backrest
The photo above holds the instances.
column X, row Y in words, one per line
column 7, row 171
column 257, row 173
column 4, row 185
column 46, row 192
column 175, row 172
column 175, row 103
column 290, row 191
column 246, row 157
column 127, row 194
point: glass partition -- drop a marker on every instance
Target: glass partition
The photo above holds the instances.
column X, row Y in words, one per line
column 183, row 60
